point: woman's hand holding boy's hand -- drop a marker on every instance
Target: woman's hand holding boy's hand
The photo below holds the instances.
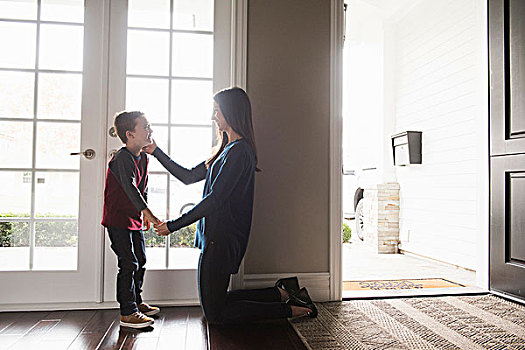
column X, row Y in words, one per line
column 149, row 218
column 162, row 229
column 150, row 148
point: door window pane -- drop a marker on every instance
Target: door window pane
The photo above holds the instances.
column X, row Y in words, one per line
column 173, row 102
column 190, row 146
column 56, row 194
column 55, row 245
column 149, row 96
column 16, row 141
column 155, row 250
column 18, row 9
column 62, row 10
column 183, row 258
column 160, row 135
column 193, row 15
column 61, row 47
column 148, row 53
column 192, row 55
column 183, row 197
column 149, row 13
column 16, row 94
column 55, row 142
column 14, row 246
column 40, row 194
column 15, row 197
column 18, row 43
column 59, row 96
column 158, row 195
column 192, row 102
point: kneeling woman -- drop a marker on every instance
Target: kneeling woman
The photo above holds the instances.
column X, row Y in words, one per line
column 224, row 219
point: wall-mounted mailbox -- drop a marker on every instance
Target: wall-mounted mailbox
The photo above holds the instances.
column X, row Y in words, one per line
column 407, row 148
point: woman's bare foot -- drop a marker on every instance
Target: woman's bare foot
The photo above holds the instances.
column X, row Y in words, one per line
column 299, row 311
column 284, row 294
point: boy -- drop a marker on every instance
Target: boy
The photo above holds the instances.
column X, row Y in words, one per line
column 125, row 197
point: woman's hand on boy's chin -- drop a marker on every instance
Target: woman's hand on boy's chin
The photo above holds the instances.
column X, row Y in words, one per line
column 150, row 148
column 162, row 229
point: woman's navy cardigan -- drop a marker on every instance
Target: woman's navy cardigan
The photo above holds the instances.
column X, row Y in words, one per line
column 225, row 211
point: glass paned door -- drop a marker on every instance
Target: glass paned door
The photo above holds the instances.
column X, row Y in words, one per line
column 166, row 70
column 48, row 220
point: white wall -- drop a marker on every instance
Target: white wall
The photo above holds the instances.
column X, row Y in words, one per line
column 363, row 84
column 288, row 80
column 440, row 89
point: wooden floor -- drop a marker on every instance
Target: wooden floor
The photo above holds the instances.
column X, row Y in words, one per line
column 174, row 328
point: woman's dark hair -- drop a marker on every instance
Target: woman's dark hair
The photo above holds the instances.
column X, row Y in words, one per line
column 237, row 110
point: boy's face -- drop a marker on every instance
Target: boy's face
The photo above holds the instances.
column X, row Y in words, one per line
column 141, row 136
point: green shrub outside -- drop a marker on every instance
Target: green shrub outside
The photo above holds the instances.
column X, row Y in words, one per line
column 14, row 234
column 347, row 233
column 65, row 234
column 56, row 234
column 184, row 237
column 48, row 234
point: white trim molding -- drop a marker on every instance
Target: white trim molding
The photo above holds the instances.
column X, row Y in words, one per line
column 336, row 127
column 239, row 50
column 104, row 6
column 318, row 284
column 239, row 39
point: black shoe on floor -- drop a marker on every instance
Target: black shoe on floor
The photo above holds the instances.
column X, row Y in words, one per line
column 301, row 298
column 290, row 284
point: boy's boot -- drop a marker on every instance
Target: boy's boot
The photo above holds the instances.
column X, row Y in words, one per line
column 136, row 320
column 148, row 310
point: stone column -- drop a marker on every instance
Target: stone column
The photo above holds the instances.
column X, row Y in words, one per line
column 381, row 217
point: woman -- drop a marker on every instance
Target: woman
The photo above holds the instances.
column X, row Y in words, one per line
column 224, row 218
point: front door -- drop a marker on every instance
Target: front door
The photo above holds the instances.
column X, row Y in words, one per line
column 507, row 152
column 51, row 106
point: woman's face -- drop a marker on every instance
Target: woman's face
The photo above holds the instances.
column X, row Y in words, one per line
column 218, row 118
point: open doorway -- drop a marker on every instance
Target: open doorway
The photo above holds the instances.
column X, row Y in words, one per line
column 419, row 226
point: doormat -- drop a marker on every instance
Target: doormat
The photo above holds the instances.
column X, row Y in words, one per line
column 419, row 283
column 457, row 322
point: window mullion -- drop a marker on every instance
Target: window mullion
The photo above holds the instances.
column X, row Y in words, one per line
column 168, row 238
column 32, row 225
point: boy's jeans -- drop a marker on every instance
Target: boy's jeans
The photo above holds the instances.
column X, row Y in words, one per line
column 131, row 253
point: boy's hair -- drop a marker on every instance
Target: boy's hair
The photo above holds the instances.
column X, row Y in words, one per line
column 125, row 121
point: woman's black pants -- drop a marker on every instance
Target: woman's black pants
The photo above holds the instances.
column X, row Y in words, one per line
column 221, row 306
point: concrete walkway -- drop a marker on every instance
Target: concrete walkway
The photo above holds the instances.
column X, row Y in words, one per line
column 360, row 263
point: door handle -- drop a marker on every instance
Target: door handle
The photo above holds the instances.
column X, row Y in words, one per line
column 112, row 132
column 88, row 154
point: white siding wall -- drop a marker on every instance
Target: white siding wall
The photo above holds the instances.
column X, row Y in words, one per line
column 363, row 83
column 439, row 90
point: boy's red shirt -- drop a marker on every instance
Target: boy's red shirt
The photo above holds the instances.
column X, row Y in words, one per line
column 120, row 210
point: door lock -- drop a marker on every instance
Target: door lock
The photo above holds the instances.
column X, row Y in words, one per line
column 112, row 132
column 88, row 154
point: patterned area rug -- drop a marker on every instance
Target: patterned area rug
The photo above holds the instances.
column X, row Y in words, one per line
column 459, row 322
column 419, row 283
